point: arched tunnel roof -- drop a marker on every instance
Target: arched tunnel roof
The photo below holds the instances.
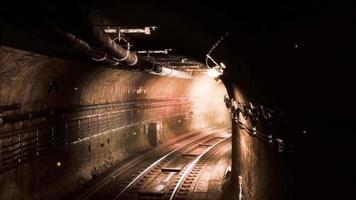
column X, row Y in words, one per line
column 277, row 48
column 296, row 56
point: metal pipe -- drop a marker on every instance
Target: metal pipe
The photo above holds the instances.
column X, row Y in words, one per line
column 83, row 47
column 165, row 71
column 99, row 39
column 116, row 53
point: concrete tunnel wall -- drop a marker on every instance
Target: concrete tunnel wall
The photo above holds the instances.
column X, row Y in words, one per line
column 77, row 120
column 264, row 172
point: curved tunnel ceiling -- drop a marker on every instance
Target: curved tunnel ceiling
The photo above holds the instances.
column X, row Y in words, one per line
column 275, row 53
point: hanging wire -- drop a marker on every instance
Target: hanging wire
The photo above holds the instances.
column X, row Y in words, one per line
column 261, row 136
column 221, row 39
column 251, row 111
column 217, row 43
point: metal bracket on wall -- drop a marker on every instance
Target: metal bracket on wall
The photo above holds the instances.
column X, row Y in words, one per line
column 126, row 30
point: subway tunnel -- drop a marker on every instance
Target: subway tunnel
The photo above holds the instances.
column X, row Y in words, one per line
column 108, row 99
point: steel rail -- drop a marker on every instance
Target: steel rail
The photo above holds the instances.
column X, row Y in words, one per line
column 190, row 167
column 150, row 167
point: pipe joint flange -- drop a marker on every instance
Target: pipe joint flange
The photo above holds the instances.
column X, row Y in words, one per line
column 153, row 61
column 135, row 61
column 169, row 74
column 116, row 63
column 128, row 46
column 100, row 59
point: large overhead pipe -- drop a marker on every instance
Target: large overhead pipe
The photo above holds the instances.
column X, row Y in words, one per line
column 114, row 53
column 101, row 40
column 83, row 47
column 98, row 38
column 165, row 71
column 95, row 43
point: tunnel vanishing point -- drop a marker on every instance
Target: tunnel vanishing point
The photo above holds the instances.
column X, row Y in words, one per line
column 146, row 100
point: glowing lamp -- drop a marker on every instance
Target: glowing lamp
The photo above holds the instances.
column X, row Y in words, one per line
column 213, row 72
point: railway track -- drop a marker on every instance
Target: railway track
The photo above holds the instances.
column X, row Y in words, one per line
column 187, row 180
column 173, row 175
column 168, row 177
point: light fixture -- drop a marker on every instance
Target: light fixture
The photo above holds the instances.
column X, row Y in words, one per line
column 213, row 73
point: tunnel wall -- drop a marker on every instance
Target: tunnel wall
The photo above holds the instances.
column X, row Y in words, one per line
column 264, row 171
column 70, row 121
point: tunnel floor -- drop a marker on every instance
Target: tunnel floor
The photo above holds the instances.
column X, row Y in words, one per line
column 191, row 167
